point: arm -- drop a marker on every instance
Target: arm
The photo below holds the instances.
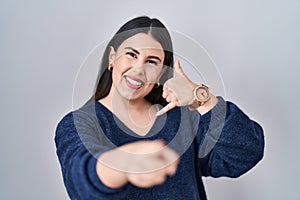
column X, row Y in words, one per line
column 143, row 163
column 78, row 147
column 230, row 143
column 93, row 169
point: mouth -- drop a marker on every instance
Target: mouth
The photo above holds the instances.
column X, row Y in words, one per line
column 133, row 83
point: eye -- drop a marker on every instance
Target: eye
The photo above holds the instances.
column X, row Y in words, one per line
column 131, row 54
column 152, row 62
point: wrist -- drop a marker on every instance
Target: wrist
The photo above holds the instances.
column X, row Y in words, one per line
column 207, row 106
column 201, row 96
column 108, row 172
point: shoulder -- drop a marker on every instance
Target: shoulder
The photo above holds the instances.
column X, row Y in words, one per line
column 65, row 122
column 85, row 114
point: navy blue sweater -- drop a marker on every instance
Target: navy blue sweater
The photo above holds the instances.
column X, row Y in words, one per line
column 223, row 142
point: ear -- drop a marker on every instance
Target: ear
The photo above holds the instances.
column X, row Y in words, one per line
column 111, row 55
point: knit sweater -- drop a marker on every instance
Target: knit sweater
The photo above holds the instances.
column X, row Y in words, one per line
column 222, row 142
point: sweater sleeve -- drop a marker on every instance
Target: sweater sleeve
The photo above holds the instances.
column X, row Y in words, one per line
column 78, row 143
column 230, row 143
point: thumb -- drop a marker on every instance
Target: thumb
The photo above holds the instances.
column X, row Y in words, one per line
column 178, row 69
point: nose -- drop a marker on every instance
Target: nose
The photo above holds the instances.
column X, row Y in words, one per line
column 138, row 66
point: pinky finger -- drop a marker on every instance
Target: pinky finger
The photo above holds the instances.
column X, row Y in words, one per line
column 166, row 108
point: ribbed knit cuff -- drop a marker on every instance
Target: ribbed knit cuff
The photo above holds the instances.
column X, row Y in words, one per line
column 217, row 113
column 214, row 121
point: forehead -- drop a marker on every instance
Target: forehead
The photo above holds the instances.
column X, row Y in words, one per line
column 142, row 41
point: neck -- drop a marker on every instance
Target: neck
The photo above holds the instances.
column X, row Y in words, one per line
column 137, row 114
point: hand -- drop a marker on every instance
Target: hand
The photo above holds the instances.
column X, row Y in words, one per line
column 178, row 91
column 143, row 163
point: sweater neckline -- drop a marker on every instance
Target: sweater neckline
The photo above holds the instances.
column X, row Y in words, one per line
column 158, row 126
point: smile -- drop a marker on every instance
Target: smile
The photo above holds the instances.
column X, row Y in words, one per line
column 133, row 82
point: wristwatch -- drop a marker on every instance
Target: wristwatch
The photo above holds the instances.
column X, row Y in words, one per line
column 201, row 96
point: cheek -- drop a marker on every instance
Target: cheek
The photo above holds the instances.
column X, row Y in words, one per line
column 153, row 74
column 121, row 65
column 146, row 90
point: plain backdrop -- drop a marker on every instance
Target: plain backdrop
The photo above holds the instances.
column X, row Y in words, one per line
column 255, row 45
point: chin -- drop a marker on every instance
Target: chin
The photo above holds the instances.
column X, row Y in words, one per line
column 131, row 94
column 126, row 94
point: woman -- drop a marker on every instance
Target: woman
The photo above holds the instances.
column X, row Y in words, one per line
column 138, row 139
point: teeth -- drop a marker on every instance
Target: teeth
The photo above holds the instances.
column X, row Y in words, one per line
column 133, row 82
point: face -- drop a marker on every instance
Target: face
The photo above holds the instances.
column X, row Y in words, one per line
column 137, row 66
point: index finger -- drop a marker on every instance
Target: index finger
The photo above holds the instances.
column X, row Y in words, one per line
column 165, row 109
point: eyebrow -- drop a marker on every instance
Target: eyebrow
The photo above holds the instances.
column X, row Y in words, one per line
column 137, row 52
column 134, row 50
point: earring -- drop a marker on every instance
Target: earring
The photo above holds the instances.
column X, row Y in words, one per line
column 156, row 85
column 110, row 67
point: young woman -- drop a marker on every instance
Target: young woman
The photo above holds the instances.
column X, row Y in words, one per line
column 146, row 134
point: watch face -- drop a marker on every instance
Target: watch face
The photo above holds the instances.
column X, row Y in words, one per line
column 202, row 93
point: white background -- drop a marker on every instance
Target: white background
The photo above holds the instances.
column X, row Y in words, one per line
column 255, row 45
